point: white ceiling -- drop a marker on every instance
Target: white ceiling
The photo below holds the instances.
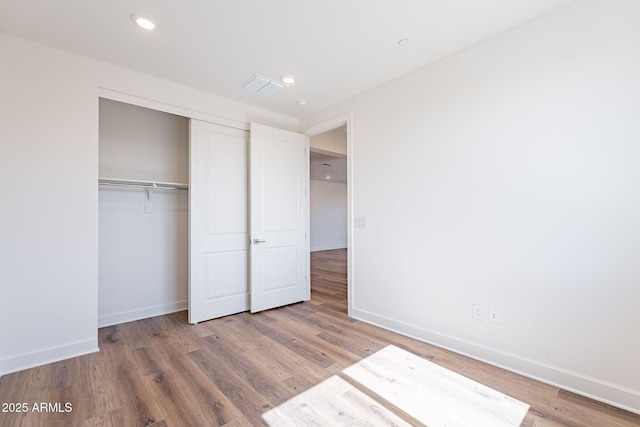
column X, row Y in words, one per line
column 335, row 48
column 325, row 167
column 328, row 158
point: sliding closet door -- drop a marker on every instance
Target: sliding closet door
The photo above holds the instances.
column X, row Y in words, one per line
column 218, row 213
column 229, row 271
column 279, row 251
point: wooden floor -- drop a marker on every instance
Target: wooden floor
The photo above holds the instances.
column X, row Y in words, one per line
column 164, row 372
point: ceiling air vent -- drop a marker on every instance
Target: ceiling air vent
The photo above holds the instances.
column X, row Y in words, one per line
column 261, row 85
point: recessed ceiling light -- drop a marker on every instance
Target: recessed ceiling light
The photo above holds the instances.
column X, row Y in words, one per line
column 327, row 177
column 288, row 79
column 143, row 21
column 301, row 102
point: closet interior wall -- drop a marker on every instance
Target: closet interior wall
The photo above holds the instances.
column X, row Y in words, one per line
column 143, row 238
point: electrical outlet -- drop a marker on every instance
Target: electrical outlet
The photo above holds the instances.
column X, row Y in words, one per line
column 494, row 317
column 479, row 312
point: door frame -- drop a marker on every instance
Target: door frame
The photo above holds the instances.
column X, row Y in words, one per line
column 316, row 129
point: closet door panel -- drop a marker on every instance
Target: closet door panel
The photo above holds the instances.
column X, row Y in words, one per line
column 227, row 279
column 219, row 241
column 226, row 184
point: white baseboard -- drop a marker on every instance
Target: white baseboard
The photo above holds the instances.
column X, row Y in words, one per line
column 594, row 388
column 141, row 313
column 48, row 355
column 328, row 248
column 79, row 348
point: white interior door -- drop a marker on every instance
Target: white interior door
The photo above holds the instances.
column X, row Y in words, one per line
column 218, row 221
column 278, row 186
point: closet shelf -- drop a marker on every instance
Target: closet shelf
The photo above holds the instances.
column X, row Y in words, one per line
column 116, row 182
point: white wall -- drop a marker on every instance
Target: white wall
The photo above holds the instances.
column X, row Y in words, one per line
column 511, row 181
column 49, row 170
column 328, row 215
column 48, row 161
column 142, row 252
column 143, row 144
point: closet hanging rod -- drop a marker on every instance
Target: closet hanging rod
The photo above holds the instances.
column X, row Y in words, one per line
column 142, row 184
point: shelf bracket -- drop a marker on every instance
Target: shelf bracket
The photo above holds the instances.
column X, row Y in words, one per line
column 148, row 191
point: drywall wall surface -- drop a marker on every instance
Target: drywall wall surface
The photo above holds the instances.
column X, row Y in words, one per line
column 512, row 183
column 48, row 166
column 328, row 215
column 143, row 144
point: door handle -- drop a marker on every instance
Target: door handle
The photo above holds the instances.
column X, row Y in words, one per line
column 258, row 241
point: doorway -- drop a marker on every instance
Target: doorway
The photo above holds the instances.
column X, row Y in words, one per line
column 330, row 214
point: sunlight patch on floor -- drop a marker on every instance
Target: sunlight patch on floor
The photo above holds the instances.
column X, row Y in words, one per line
column 427, row 392
column 435, row 395
column 333, row 402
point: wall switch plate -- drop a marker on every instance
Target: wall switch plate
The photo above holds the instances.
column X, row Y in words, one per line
column 479, row 312
column 360, row 222
column 493, row 316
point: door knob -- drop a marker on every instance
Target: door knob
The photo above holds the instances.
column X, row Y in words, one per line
column 257, row 241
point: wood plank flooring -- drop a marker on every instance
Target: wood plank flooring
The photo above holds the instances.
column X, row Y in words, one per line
column 230, row 371
column 329, row 278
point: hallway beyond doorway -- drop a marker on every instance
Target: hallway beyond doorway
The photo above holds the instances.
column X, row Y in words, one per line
column 329, row 278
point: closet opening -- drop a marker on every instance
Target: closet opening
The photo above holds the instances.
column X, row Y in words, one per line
column 143, row 213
